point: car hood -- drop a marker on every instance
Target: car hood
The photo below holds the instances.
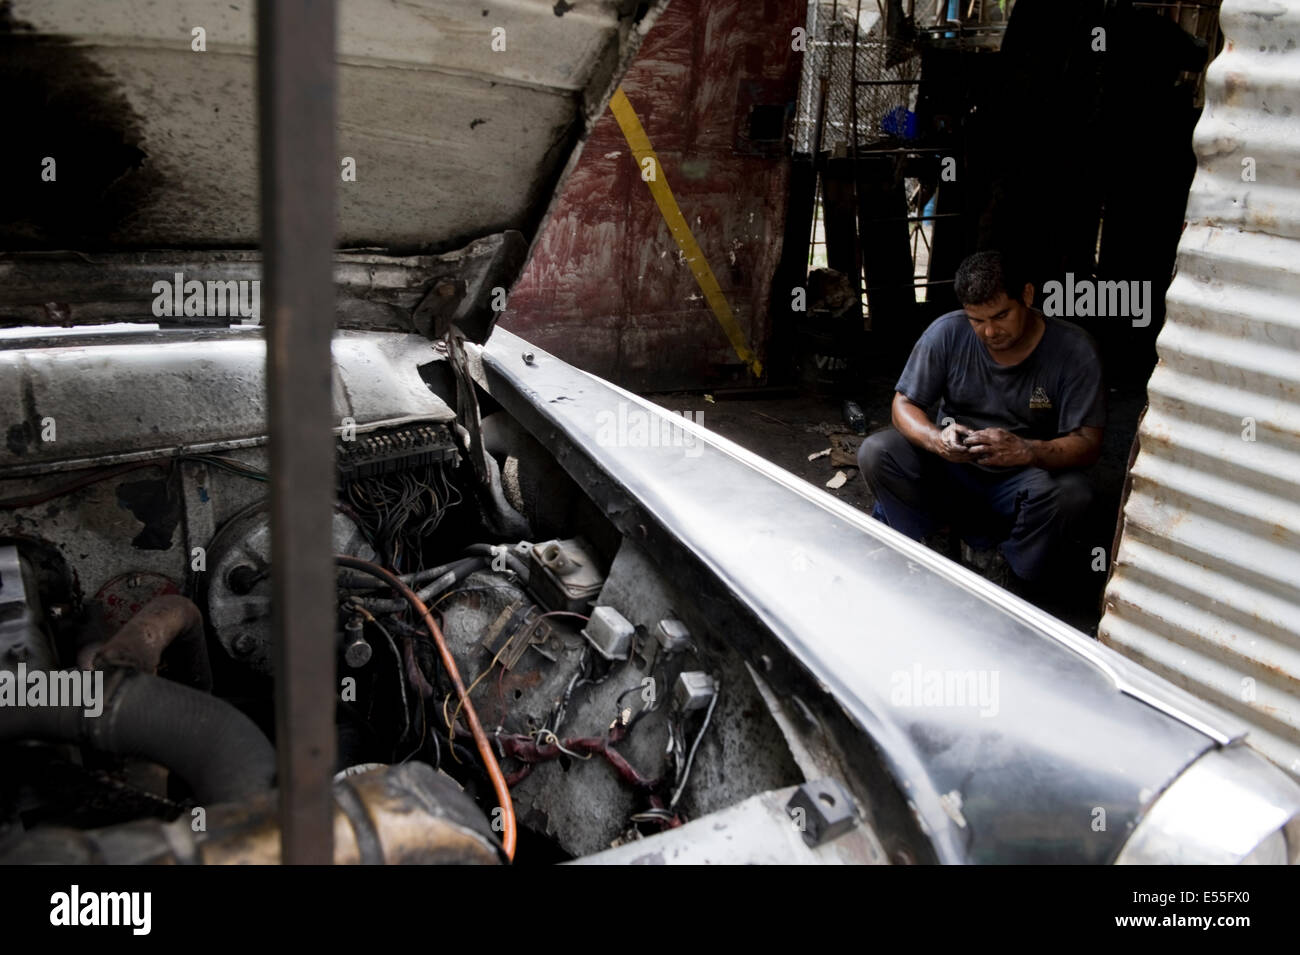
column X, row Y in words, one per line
column 456, row 122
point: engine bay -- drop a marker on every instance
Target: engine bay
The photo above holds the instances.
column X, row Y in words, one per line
column 612, row 709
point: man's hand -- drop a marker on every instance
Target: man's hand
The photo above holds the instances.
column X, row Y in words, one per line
column 994, row 446
column 949, row 444
column 999, row 448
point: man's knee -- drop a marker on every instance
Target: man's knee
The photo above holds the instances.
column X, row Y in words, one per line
column 885, row 452
column 1063, row 496
column 1073, row 494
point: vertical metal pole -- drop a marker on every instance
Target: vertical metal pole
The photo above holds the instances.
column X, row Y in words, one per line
column 823, row 80
column 296, row 94
column 860, row 282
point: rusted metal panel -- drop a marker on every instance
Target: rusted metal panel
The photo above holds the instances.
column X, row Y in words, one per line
column 606, row 286
column 1205, row 587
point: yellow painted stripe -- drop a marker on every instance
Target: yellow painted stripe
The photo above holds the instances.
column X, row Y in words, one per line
column 681, row 232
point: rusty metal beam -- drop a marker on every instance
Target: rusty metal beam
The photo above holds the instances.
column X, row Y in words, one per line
column 296, row 117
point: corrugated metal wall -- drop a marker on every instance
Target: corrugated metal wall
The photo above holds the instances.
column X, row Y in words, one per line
column 1205, row 588
column 606, row 286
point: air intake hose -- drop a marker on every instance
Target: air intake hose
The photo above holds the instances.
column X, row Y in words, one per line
column 214, row 747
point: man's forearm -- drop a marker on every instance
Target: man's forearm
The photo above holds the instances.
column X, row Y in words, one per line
column 913, row 423
column 1067, row 451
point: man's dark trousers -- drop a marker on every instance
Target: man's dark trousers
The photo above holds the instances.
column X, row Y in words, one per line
column 1029, row 509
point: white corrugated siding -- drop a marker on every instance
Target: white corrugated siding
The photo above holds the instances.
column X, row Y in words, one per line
column 1206, row 584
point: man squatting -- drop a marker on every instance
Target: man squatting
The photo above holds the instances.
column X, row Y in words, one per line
column 1021, row 408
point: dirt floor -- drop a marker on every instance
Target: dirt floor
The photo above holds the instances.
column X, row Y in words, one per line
column 786, row 427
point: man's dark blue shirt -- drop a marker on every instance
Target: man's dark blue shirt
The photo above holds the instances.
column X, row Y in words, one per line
column 1056, row 389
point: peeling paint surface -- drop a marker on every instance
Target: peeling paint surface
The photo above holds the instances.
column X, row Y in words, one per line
column 605, row 287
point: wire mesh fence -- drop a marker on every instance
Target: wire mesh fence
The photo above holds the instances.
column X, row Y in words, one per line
column 846, row 40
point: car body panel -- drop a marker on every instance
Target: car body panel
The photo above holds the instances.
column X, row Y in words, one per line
column 1064, row 728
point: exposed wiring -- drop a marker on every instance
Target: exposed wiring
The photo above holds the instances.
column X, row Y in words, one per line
column 464, row 700
column 402, row 509
column 681, row 786
column 665, row 817
column 228, row 464
column 397, row 657
column 41, row 497
column 529, row 751
column 651, row 705
column 107, row 474
column 484, row 746
column 557, row 714
column 424, row 691
column 544, row 735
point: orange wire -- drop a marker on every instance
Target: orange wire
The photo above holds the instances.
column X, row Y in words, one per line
column 476, row 728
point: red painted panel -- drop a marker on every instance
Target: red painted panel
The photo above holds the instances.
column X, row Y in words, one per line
column 606, row 287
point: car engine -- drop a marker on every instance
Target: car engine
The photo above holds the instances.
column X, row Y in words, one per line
column 136, row 547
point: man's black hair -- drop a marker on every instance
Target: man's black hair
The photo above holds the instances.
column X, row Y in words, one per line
column 982, row 276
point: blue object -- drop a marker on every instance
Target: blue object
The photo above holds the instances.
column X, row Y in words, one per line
column 899, row 121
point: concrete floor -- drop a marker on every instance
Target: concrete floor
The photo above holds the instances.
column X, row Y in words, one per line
column 787, row 428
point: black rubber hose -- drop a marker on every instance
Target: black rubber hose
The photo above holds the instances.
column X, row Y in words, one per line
column 214, row 747
column 449, row 575
column 421, row 577
column 456, row 572
column 489, row 551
